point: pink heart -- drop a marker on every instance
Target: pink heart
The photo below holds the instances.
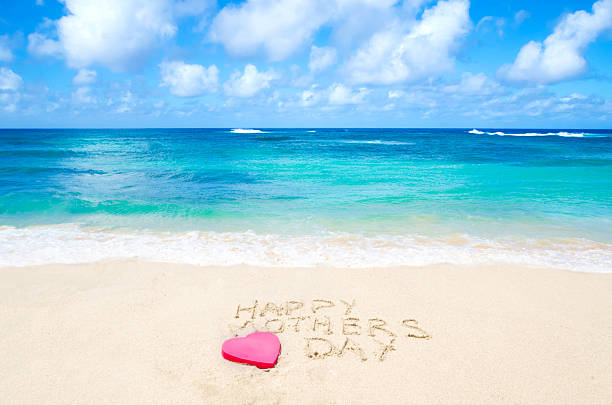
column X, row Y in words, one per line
column 259, row 349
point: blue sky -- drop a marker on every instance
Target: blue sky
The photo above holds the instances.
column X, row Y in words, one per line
column 305, row 63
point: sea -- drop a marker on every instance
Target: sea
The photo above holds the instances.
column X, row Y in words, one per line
column 308, row 197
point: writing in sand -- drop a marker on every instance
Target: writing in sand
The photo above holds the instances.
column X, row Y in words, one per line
column 328, row 328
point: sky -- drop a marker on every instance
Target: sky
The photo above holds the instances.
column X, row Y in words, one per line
column 305, row 63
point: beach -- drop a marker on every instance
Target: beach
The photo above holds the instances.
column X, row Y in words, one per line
column 305, row 202
column 131, row 331
column 429, row 266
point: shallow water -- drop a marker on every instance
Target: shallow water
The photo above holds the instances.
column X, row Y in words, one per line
column 342, row 197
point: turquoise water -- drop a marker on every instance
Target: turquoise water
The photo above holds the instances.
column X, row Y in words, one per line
column 308, row 196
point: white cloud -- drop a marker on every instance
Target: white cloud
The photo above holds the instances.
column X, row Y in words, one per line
column 355, row 21
column 521, row 16
column 185, row 80
column 399, row 54
column 8, row 101
column 9, row 80
column 85, row 76
column 302, row 81
column 249, row 82
column 561, row 56
column 126, row 102
column 40, row 45
column 276, row 27
column 350, row 4
column 572, row 97
column 40, row 2
column 83, row 95
column 413, row 6
column 489, row 23
column 279, row 28
column 6, row 55
column 395, row 94
column 339, row 94
column 192, row 7
column 117, row 34
column 321, row 58
column 309, row 97
column 474, row 85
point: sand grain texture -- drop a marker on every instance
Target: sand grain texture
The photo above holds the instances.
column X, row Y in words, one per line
column 137, row 332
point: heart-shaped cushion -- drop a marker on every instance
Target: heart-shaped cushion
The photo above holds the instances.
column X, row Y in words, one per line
column 259, row 349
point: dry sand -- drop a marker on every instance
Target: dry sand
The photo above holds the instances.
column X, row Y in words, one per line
column 136, row 332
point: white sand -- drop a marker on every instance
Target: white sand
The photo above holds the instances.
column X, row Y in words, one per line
column 136, row 332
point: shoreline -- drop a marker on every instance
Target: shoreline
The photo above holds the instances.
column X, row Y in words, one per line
column 142, row 332
column 71, row 243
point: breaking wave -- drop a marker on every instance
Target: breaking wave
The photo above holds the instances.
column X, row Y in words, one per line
column 247, row 131
column 500, row 133
column 71, row 243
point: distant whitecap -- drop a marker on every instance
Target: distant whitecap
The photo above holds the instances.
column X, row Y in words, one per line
column 562, row 133
column 247, row 131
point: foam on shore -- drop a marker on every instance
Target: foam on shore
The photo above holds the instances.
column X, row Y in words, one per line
column 71, row 243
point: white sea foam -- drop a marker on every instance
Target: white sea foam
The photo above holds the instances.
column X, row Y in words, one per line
column 70, row 243
column 247, row 131
column 500, row 133
column 312, row 132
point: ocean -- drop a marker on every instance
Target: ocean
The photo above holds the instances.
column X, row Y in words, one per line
column 308, row 197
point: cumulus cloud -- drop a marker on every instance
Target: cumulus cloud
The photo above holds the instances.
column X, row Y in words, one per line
column 248, row 83
column 321, row 58
column 276, row 27
column 399, row 53
column 185, row 80
column 355, row 21
column 279, row 28
column 339, row 94
column 561, row 55
column 114, row 33
column 9, row 80
column 84, row 76
column 117, row 34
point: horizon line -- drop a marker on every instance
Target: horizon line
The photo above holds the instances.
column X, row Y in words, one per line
column 230, row 128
